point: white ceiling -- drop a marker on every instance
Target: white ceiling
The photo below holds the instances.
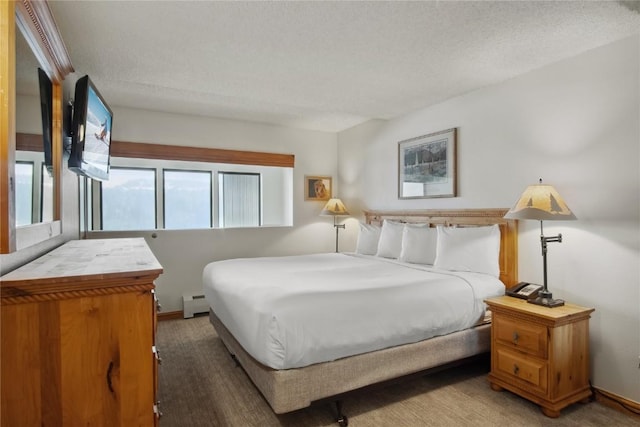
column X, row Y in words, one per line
column 322, row 65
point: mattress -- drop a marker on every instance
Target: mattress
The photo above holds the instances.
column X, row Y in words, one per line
column 290, row 312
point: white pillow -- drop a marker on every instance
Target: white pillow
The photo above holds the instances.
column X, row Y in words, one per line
column 368, row 236
column 418, row 244
column 390, row 243
column 469, row 249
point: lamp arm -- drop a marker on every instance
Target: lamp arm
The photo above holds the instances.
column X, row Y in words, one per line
column 544, row 240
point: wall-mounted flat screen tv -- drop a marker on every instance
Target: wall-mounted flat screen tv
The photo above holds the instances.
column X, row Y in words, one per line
column 91, row 139
column 46, row 108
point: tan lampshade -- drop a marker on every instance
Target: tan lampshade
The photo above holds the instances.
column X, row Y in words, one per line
column 334, row 207
column 540, row 202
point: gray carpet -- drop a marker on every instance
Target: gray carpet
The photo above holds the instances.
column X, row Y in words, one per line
column 199, row 385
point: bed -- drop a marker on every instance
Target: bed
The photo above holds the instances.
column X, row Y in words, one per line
column 264, row 327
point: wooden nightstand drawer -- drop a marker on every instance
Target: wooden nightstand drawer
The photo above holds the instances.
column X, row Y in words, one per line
column 521, row 335
column 529, row 370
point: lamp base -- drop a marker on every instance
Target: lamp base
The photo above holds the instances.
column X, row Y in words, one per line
column 338, row 227
column 546, row 300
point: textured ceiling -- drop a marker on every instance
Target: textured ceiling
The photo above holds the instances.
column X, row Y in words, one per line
column 322, row 65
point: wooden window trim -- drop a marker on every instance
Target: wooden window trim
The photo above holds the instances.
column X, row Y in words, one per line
column 29, row 142
column 199, row 154
column 33, row 142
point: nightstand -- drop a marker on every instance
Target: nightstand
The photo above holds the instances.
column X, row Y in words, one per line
column 540, row 353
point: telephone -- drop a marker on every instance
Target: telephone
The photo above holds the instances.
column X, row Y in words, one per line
column 524, row 290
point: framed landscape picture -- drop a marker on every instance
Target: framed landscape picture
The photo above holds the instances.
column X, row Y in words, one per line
column 427, row 166
column 317, row 188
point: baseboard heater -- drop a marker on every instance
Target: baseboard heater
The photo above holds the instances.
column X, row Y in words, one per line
column 194, row 303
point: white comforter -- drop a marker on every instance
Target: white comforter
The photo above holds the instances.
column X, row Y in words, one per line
column 289, row 312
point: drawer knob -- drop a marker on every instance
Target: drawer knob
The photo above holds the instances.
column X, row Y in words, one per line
column 516, row 337
column 516, row 369
column 156, row 352
column 156, row 410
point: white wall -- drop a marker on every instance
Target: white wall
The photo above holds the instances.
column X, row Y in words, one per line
column 576, row 124
column 184, row 254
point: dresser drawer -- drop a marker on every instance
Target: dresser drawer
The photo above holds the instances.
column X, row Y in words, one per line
column 522, row 335
column 523, row 368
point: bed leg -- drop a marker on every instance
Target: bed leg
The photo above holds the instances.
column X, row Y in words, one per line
column 342, row 419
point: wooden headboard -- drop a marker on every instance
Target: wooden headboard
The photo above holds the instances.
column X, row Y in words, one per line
column 465, row 217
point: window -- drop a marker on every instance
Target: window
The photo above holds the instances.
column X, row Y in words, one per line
column 187, row 199
column 239, row 199
column 162, row 186
column 33, row 182
column 128, row 199
column 34, row 191
column 46, row 198
column 24, row 193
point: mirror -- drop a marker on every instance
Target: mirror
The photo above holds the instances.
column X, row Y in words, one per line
column 33, row 181
column 33, row 21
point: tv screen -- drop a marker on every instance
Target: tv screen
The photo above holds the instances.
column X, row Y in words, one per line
column 46, row 108
column 91, row 140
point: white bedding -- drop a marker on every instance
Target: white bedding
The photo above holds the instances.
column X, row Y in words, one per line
column 290, row 312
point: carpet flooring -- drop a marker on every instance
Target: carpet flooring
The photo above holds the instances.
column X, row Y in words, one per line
column 200, row 385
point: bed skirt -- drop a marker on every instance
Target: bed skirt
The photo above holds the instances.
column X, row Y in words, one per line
column 291, row 389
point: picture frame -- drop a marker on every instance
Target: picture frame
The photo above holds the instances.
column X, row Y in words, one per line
column 317, row 188
column 427, row 166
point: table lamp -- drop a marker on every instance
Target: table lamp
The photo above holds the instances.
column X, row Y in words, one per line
column 542, row 202
column 335, row 208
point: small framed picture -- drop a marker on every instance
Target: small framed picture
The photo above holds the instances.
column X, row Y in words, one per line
column 427, row 166
column 317, row 188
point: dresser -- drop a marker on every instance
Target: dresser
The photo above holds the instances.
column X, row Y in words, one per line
column 78, row 337
column 540, row 353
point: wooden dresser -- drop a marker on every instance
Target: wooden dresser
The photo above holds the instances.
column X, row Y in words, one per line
column 540, row 353
column 78, row 335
